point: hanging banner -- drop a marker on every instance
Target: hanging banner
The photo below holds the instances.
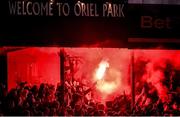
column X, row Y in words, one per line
column 64, row 22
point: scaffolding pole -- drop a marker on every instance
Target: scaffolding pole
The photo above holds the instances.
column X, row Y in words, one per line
column 62, row 78
column 132, row 80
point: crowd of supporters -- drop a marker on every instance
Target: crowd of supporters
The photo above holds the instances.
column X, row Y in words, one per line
column 70, row 100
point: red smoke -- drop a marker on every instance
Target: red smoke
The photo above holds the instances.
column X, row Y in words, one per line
column 42, row 65
column 34, row 65
column 116, row 76
column 153, row 67
column 37, row 65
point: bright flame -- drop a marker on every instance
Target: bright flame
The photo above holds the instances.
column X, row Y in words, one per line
column 107, row 80
column 101, row 70
column 111, row 81
column 107, row 87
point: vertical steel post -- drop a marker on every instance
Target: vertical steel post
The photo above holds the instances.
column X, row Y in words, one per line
column 62, row 78
column 132, row 80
